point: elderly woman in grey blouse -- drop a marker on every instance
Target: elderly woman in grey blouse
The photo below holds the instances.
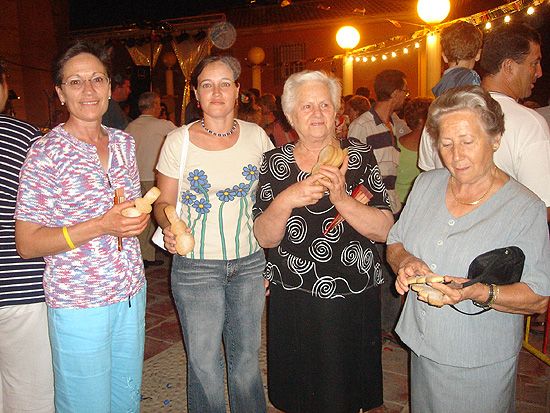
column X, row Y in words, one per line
column 464, row 363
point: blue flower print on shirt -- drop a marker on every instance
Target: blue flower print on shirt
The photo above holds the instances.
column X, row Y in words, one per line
column 202, row 206
column 241, row 190
column 187, row 198
column 226, row 195
column 199, row 181
column 250, row 172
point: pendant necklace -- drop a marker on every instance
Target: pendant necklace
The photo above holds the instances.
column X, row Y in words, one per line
column 220, row 135
column 472, row 202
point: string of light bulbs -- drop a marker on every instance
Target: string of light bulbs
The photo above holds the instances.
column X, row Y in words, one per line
column 382, row 52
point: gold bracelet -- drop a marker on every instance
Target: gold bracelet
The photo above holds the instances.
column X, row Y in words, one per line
column 68, row 238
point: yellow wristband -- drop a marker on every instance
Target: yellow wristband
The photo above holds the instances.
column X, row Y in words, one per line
column 68, row 238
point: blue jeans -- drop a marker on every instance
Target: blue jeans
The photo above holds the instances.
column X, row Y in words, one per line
column 98, row 356
column 215, row 299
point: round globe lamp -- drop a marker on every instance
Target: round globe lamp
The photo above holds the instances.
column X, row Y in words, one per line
column 256, row 56
column 347, row 38
column 433, row 11
column 169, row 59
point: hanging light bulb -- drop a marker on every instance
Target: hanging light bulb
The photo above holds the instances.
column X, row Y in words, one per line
column 357, row 58
column 393, row 54
column 373, row 59
column 417, row 45
column 530, row 10
column 488, row 26
column 365, row 59
column 384, row 57
column 405, row 50
column 507, row 19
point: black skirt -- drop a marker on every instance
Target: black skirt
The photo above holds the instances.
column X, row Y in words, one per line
column 324, row 355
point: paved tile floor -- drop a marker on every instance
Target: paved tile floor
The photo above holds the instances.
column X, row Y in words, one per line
column 163, row 330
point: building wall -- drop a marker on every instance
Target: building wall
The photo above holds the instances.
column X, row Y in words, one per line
column 320, row 41
column 29, row 41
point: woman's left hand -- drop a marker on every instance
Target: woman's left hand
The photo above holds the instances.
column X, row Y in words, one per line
column 116, row 224
column 335, row 181
column 452, row 290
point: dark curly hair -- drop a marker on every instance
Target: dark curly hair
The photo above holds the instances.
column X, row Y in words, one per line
column 461, row 41
column 509, row 41
column 416, row 110
column 386, row 82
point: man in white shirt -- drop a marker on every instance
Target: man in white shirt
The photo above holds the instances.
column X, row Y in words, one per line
column 148, row 132
column 545, row 112
column 511, row 58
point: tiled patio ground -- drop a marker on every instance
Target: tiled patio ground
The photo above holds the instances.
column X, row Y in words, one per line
column 162, row 330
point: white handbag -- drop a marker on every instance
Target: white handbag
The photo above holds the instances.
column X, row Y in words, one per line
column 158, row 236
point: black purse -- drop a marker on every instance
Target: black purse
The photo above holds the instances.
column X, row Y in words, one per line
column 500, row 266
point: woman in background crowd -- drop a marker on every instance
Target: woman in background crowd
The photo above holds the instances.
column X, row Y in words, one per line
column 356, row 106
column 415, row 113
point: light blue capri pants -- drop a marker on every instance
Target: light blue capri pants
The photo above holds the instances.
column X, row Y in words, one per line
column 98, row 356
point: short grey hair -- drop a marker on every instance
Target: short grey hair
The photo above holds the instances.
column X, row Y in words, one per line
column 147, row 100
column 472, row 98
column 293, row 83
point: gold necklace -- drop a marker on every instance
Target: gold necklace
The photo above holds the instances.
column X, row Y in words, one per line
column 480, row 198
column 309, row 150
column 306, row 148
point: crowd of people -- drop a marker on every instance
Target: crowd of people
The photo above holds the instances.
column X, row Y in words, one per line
column 346, row 253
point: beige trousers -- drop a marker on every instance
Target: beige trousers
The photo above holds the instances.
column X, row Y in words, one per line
column 25, row 360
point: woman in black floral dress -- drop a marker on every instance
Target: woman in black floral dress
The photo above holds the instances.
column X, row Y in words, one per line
column 324, row 310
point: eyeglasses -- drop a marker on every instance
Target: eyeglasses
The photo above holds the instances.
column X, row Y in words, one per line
column 77, row 83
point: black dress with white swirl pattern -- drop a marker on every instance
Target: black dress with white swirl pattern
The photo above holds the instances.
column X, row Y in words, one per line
column 340, row 263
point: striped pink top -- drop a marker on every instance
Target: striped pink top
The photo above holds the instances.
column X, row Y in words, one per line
column 63, row 183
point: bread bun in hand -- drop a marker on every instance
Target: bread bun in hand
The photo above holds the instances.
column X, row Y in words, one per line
column 330, row 155
column 185, row 242
column 142, row 205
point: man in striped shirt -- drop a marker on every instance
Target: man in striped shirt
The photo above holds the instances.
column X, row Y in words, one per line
column 25, row 358
column 380, row 127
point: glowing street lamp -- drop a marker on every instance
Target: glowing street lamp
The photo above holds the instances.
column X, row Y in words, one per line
column 347, row 38
column 432, row 12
